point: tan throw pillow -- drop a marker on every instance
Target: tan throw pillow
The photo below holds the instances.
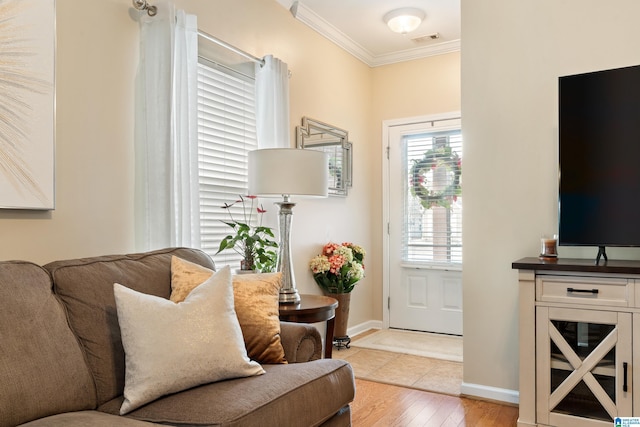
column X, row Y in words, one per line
column 256, row 303
column 172, row 347
column 257, row 306
column 185, row 276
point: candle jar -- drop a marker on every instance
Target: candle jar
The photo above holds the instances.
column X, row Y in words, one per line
column 549, row 246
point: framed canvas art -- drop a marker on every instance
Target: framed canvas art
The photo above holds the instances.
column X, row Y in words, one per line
column 27, row 104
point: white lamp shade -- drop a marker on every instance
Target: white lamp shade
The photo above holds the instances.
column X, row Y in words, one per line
column 277, row 172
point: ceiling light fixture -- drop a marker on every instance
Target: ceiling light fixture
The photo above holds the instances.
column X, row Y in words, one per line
column 404, row 20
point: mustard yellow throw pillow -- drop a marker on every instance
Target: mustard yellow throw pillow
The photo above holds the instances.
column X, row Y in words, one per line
column 256, row 304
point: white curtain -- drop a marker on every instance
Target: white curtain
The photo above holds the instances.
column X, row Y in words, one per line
column 272, row 104
column 167, row 205
column 184, row 144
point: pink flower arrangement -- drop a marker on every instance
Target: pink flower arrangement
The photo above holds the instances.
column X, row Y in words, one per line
column 338, row 268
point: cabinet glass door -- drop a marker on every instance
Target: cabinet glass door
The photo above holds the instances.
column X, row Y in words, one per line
column 586, row 358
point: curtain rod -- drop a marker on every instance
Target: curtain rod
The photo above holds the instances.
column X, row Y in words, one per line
column 143, row 5
column 230, row 47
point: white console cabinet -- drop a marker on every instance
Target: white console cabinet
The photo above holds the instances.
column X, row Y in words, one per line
column 579, row 341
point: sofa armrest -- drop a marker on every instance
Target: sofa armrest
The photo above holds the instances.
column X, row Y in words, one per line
column 301, row 342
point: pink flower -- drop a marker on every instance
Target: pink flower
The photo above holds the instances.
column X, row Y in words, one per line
column 251, row 197
column 329, row 248
column 336, row 261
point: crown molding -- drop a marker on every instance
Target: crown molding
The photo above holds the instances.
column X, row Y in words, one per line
column 286, row 3
column 308, row 17
column 416, row 53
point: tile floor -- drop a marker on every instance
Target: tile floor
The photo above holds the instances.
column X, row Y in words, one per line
column 422, row 373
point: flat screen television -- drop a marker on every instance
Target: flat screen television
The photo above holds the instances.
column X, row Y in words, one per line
column 599, row 144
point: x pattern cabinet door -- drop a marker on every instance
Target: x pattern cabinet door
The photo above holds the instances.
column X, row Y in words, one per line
column 584, row 366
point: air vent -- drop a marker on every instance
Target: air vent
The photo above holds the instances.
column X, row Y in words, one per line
column 426, row 38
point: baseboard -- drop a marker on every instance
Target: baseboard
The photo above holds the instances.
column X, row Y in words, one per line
column 490, row 393
column 363, row 327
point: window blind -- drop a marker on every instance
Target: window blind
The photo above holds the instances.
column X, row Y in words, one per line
column 432, row 230
column 226, row 133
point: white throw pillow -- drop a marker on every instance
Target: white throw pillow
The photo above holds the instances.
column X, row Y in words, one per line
column 170, row 347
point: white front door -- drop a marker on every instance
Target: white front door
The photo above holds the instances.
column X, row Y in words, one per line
column 424, row 214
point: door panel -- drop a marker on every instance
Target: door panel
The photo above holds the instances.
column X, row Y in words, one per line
column 427, row 300
column 417, row 292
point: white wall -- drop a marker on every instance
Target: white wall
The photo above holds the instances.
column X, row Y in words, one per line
column 96, row 65
column 408, row 89
column 96, row 58
column 512, row 55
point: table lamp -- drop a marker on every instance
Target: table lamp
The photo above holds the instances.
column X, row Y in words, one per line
column 286, row 172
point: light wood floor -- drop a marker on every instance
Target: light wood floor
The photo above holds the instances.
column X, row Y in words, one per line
column 382, row 405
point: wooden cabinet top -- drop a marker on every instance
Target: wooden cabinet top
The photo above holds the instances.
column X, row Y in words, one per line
column 578, row 265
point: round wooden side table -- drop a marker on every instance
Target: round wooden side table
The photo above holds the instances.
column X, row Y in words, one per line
column 313, row 309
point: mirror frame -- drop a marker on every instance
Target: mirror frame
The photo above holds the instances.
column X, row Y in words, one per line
column 316, row 135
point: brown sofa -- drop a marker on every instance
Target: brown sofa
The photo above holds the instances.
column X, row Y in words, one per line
column 62, row 361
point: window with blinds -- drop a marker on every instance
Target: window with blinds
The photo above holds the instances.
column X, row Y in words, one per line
column 226, row 133
column 432, row 231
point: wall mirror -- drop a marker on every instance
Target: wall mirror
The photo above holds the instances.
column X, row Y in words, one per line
column 316, row 135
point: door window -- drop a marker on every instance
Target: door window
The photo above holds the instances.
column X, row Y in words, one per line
column 432, row 171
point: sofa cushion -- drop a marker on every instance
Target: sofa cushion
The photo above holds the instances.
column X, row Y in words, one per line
column 256, row 299
column 42, row 367
column 297, row 394
column 85, row 286
column 86, row 419
column 170, row 347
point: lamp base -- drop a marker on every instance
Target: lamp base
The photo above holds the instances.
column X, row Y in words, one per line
column 289, row 296
column 288, row 292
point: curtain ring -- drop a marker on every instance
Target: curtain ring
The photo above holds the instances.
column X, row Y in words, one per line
column 143, row 5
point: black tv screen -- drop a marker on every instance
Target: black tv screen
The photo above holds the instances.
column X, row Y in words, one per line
column 599, row 138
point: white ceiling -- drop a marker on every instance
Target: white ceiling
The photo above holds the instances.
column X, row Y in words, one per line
column 358, row 27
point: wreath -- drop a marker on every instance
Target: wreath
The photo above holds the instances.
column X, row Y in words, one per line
column 422, row 187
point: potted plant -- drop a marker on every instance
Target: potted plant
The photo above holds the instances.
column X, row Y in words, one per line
column 253, row 242
column 337, row 270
